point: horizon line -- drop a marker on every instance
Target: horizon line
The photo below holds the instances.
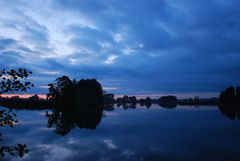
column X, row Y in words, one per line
column 139, row 96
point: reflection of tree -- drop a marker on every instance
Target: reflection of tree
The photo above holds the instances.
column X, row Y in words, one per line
column 8, row 118
column 64, row 120
column 10, row 81
column 232, row 112
column 78, row 104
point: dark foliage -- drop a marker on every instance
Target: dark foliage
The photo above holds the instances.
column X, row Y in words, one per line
column 168, row 101
column 8, row 118
column 28, row 104
column 79, row 93
column 230, row 96
column 148, row 102
column 12, row 81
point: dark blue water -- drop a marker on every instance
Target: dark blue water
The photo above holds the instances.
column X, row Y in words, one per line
column 180, row 134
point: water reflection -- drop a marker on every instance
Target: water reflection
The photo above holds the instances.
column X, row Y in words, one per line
column 65, row 118
column 9, row 118
column 125, row 106
column 184, row 133
column 232, row 112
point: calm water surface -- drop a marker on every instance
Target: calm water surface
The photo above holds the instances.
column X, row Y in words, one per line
column 143, row 134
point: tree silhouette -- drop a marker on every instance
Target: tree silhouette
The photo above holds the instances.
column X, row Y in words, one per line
column 238, row 95
column 168, row 101
column 12, row 81
column 230, row 96
column 77, row 104
column 148, row 102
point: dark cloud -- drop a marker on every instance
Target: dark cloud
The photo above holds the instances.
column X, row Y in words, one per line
column 9, row 59
column 156, row 46
column 6, row 42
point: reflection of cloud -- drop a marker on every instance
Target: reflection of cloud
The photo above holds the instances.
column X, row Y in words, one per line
column 42, row 113
column 110, row 113
column 110, row 144
column 45, row 129
column 110, row 88
column 44, row 87
column 55, row 152
column 28, row 122
column 71, row 141
column 141, row 159
column 104, row 159
column 127, row 153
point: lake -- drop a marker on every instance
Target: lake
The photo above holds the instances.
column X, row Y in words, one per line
column 141, row 134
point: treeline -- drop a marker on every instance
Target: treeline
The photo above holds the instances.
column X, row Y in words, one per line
column 31, row 103
column 165, row 101
column 65, row 97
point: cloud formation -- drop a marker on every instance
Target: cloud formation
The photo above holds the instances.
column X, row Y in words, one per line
column 134, row 46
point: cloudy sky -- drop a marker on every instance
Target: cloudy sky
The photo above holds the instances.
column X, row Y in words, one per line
column 132, row 47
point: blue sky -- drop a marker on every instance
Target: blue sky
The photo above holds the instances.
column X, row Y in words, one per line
column 132, row 47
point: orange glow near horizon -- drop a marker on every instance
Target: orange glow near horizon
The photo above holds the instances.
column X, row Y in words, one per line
column 43, row 96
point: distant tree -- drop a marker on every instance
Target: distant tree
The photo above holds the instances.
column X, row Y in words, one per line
column 148, row 102
column 229, row 96
column 125, row 99
column 12, row 81
column 34, row 97
column 133, row 99
column 15, row 97
column 108, row 98
column 196, row 99
column 168, row 101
